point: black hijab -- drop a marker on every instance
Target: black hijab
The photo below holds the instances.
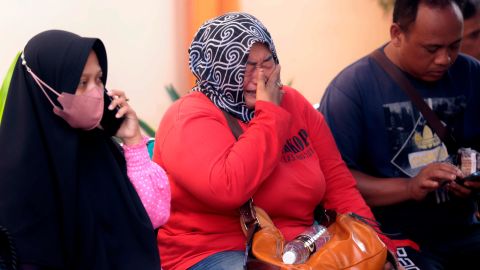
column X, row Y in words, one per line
column 64, row 193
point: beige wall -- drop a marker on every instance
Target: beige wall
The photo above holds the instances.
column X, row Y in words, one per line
column 139, row 37
column 315, row 39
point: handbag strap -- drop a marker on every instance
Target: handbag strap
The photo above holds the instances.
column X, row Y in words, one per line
column 432, row 119
column 233, row 124
column 247, row 211
column 249, row 215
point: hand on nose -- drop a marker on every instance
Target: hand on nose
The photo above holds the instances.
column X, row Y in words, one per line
column 268, row 88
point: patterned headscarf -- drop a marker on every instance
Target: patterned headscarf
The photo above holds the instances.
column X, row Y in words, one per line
column 218, row 57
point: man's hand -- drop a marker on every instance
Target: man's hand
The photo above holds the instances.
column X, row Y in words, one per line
column 431, row 177
column 466, row 187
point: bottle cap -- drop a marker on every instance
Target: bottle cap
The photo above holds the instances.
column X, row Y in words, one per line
column 289, row 257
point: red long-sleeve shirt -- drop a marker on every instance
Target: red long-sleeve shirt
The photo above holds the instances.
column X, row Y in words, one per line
column 286, row 159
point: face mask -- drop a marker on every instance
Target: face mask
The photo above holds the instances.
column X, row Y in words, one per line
column 80, row 111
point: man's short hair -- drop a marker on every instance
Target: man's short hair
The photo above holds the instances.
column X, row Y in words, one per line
column 470, row 8
column 405, row 11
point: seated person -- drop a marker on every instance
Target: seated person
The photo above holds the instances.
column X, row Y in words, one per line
column 471, row 28
column 286, row 158
column 68, row 190
column 398, row 160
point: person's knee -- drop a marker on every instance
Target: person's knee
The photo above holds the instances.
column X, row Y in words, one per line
column 225, row 260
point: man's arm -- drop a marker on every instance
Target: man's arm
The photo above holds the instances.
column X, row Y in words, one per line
column 381, row 191
column 386, row 191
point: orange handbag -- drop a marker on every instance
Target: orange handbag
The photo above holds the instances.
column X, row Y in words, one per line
column 353, row 245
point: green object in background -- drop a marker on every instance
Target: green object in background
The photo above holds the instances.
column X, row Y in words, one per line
column 146, row 128
column 149, row 131
column 387, row 5
column 172, row 92
column 6, row 85
column 150, row 146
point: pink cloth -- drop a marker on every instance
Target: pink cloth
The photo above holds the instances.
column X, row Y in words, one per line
column 150, row 181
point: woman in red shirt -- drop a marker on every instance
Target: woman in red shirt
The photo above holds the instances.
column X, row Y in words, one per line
column 286, row 159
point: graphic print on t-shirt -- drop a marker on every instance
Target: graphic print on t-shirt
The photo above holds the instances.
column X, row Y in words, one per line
column 297, row 147
column 413, row 143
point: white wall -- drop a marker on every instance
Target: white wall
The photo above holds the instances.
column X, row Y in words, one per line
column 316, row 39
column 146, row 42
column 138, row 35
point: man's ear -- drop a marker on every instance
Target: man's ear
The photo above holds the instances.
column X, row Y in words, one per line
column 396, row 34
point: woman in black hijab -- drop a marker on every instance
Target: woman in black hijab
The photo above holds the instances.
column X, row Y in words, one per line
column 65, row 195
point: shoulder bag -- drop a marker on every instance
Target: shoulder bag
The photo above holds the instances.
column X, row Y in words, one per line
column 354, row 244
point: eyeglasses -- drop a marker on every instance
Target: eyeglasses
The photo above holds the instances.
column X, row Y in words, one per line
column 268, row 64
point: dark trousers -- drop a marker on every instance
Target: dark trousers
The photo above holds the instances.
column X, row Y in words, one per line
column 454, row 250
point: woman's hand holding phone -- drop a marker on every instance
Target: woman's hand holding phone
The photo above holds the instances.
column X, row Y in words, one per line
column 129, row 130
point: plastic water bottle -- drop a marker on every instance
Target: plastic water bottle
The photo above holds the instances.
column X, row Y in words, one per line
column 299, row 249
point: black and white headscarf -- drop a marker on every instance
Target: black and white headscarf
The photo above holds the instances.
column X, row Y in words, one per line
column 218, row 57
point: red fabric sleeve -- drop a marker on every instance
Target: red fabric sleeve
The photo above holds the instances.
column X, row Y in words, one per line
column 206, row 160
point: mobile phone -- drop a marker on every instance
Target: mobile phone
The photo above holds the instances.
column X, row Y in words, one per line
column 109, row 122
column 474, row 177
